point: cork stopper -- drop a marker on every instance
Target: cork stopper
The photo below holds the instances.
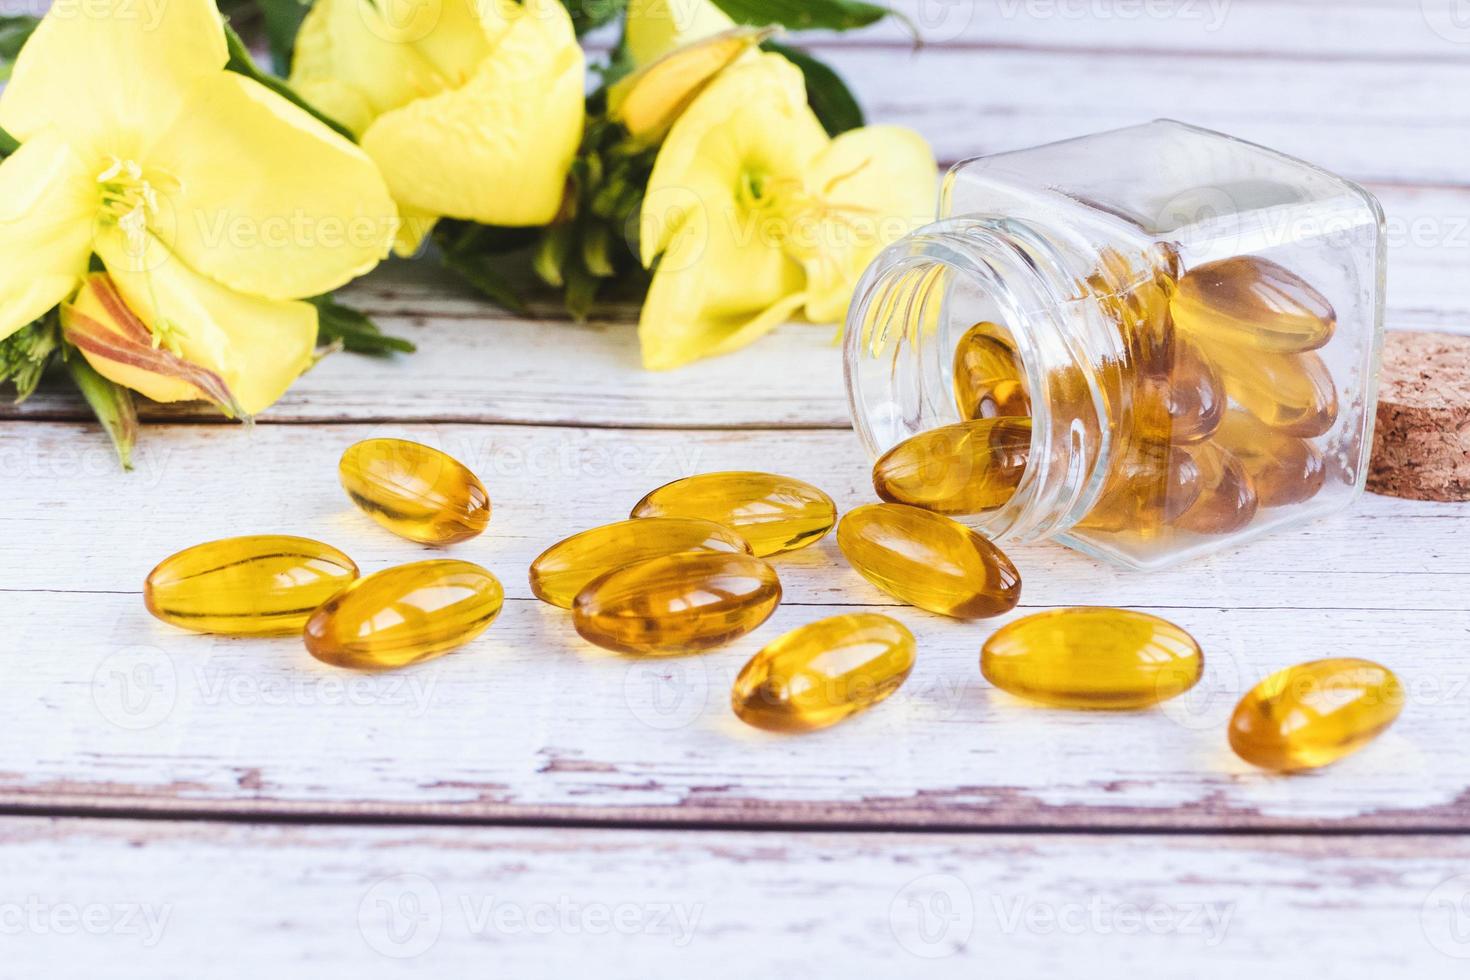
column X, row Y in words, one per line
column 1421, row 447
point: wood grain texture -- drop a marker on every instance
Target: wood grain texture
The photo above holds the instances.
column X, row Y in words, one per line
column 169, row 900
column 112, row 709
column 476, row 363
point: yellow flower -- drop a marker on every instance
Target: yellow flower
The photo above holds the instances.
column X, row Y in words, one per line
column 473, row 109
column 655, row 28
column 214, row 204
column 753, row 214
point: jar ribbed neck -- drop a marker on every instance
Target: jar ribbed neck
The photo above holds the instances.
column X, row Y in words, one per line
column 911, row 309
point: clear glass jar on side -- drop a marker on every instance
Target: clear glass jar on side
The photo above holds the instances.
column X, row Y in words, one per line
column 1190, row 323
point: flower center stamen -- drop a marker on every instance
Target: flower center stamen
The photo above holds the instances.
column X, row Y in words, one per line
column 129, row 200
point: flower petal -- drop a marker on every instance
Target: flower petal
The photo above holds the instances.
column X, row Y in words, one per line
column 46, row 205
column 657, row 27
column 873, row 186
column 104, row 68
column 120, row 348
column 257, row 346
column 497, row 149
column 753, row 118
column 716, row 289
column 264, row 198
column 354, row 63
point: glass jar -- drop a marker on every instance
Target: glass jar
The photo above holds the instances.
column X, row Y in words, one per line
column 1147, row 344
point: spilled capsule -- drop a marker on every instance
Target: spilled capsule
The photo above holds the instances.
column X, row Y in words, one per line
column 774, row 513
column 929, row 561
column 261, row 585
column 415, row 491
column 820, row 673
column 965, row 468
column 406, row 614
column 1255, row 304
column 678, row 603
column 567, row 567
column 1315, row 713
column 1092, row 658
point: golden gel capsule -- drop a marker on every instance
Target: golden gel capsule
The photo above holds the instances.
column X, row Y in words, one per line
column 566, row 568
column 1227, row 499
column 1315, row 713
column 821, row 673
column 1151, row 485
column 403, row 615
column 966, row 468
column 1255, row 304
column 1092, row 658
column 774, row 513
column 1282, row 468
column 678, row 603
column 415, row 491
column 1290, row 392
column 260, row 586
column 1190, row 396
column 929, row 561
column 987, row 375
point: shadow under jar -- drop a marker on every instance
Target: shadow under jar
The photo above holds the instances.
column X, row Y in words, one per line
column 1190, row 323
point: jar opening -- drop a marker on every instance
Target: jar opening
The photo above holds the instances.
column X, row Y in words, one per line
column 915, row 309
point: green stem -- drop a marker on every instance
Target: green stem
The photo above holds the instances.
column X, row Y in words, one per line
column 112, row 404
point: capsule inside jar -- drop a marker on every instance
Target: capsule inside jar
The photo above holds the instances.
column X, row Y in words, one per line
column 1255, row 304
column 987, row 375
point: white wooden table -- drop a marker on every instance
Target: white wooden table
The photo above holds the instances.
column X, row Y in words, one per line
column 175, row 805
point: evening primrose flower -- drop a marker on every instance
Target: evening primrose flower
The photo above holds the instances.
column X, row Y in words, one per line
column 654, row 28
column 473, row 109
column 753, row 214
column 214, row 204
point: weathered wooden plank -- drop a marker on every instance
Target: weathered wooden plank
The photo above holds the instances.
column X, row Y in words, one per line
column 80, row 525
column 1246, row 29
column 159, row 899
column 477, row 364
column 108, row 708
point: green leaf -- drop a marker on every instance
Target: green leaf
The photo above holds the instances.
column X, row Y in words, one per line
column 478, row 269
column 805, row 15
column 241, row 62
column 25, row 354
column 354, row 330
column 111, row 403
column 8, row 144
column 282, row 23
column 14, row 32
column 826, row 92
column 588, row 15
